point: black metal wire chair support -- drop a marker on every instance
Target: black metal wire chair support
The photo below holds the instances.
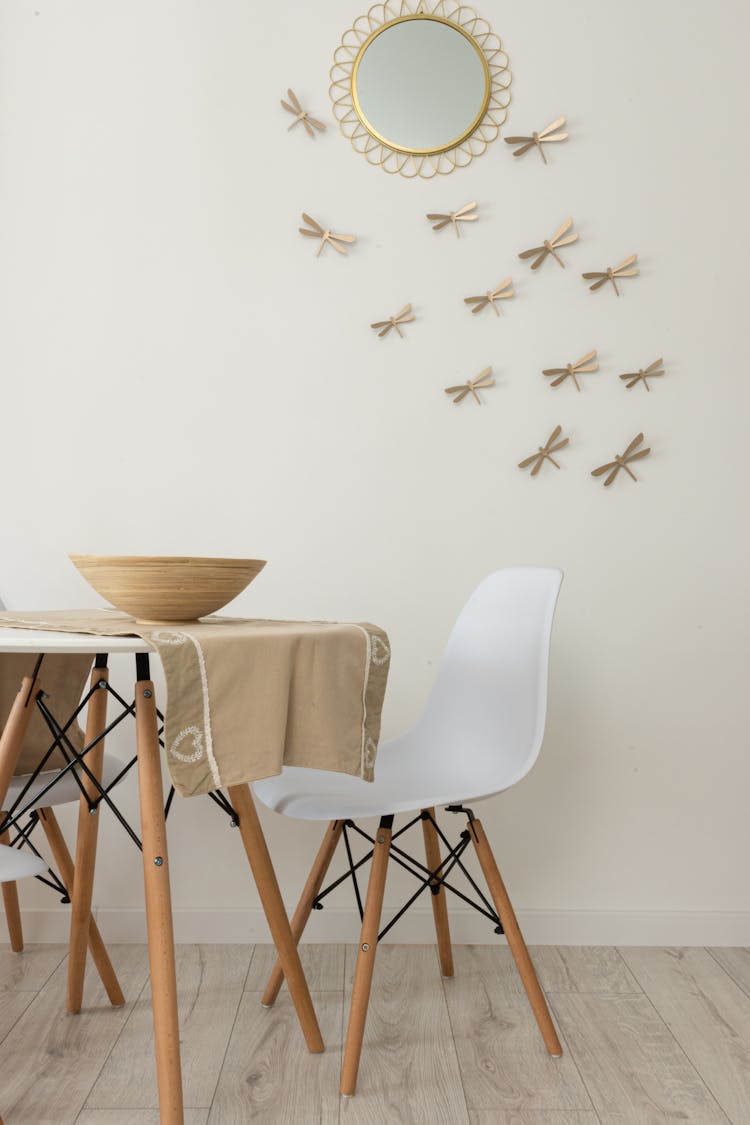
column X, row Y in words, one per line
column 424, row 876
column 22, row 817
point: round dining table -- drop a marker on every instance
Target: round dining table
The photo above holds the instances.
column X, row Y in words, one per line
column 37, row 644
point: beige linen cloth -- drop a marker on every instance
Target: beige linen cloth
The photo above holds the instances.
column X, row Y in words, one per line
column 244, row 697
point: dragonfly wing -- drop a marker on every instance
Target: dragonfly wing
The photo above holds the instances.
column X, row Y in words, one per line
column 651, row 369
column 604, row 468
column 527, row 461
column 560, row 379
column 537, row 467
column 311, row 223
column 585, row 359
column 553, row 437
column 405, row 309
column 558, row 445
column 462, row 211
column 556, row 124
column 308, row 127
column 562, row 230
column 634, row 444
column 556, row 242
column 538, row 261
column 318, row 124
column 612, row 475
column 637, row 456
column 625, row 264
column 524, row 147
column 294, row 100
column 603, row 279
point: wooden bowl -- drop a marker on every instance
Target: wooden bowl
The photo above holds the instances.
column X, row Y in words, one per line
column 170, row 588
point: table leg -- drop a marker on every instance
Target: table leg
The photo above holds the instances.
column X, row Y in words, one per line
column 158, row 908
column 88, row 828
column 273, row 906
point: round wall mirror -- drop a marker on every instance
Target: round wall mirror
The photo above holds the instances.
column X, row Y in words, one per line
column 420, row 92
column 420, row 85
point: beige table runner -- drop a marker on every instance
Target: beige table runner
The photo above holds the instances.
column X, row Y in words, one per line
column 246, row 697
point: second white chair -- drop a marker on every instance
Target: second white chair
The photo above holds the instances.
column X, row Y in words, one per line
column 479, row 734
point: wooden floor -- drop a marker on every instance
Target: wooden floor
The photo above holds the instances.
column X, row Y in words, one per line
column 649, row 1035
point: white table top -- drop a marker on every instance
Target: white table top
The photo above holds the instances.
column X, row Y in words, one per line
column 43, row 640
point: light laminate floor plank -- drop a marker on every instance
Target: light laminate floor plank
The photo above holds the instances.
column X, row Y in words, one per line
column 210, row 979
column 30, row 970
column 12, row 1007
column 409, row 1071
column 50, row 1061
column 134, row 1117
column 323, row 965
column 736, row 962
column 269, row 1077
column 533, row 1117
column 708, row 1014
column 634, row 1070
column 503, row 1060
column 583, row 968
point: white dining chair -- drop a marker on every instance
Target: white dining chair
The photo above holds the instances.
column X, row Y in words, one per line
column 36, row 795
column 480, row 733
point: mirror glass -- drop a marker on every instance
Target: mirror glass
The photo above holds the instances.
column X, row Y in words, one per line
column 420, row 84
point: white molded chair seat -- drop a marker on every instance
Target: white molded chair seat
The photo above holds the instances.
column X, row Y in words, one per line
column 482, row 727
column 65, row 790
column 18, row 865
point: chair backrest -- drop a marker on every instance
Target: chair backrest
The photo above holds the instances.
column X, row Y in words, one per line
column 488, row 704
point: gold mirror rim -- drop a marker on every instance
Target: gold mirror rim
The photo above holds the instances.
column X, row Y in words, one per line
column 477, row 120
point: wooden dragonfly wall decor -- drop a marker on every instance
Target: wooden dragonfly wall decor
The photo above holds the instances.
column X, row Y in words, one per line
column 462, row 215
column 383, row 327
column 327, row 238
column 583, row 366
column 489, row 299
column 552, row 132
column 544, row 452
column 642, row 375
column 622, row 461
column 471, row 386
column 550, row 246
column 301, row 115
column 612, row 274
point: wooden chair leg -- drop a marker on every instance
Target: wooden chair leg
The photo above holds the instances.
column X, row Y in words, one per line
column 88, row 828
column 515, row 938
column 158, row 908
column 368, row 944
column 66, row 870
column 12, row 908
column 439, row 903
column 11, row 742
column 304, row 906
column 14, row 732
column 273, row 906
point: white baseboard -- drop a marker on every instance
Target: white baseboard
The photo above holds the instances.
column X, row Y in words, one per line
column 540, row 927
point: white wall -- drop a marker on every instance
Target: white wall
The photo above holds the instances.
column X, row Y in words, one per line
column 180, row 375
